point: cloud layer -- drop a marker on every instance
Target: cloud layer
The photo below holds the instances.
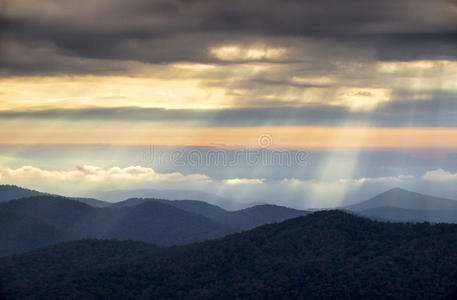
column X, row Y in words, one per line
column 169, row 31
column 437, row 111
column 440, row 175
column 301, row 193
column 266, row 62
column 93, row 174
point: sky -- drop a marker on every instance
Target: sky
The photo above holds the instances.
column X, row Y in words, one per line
column 335, row 101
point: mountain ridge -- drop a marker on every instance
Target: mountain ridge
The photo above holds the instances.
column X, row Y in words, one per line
column 401, row 198
column 328, row 254
column 10, row 192
column 152, row 222
column 170, row 194
column 161, row 222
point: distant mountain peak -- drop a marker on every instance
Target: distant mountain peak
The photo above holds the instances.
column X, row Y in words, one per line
column 397, row 189
column 401, row 198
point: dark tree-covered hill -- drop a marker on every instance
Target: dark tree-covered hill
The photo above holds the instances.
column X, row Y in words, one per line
column 329, row 254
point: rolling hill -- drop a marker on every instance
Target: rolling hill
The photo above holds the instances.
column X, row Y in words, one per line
column 33, row 222
column 258, row 215
column 400, row 205
column 120, row 195
column 12, row 192
column 325, row 255
column 161, row 222
column 194, row 206
column 236, row 220
column 21, row 233
column 406, row 200
column 396, row 214
column 199, row 207
column 152, row 222
column 158, row 223
column 90, row 201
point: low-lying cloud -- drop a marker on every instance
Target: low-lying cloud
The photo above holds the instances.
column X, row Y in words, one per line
column 440, row 175
column 94, row 174
column 289, row 191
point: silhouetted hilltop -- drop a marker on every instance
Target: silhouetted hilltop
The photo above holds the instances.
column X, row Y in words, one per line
column 407, row 200
column 329, row 254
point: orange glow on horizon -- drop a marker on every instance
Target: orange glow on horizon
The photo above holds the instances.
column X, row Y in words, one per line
column 276, row 137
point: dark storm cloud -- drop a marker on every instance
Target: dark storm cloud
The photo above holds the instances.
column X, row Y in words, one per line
column 168, row 31
column 227, row 117
column 439, row 111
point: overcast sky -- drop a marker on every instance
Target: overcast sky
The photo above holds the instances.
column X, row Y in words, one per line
column 319, row 76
